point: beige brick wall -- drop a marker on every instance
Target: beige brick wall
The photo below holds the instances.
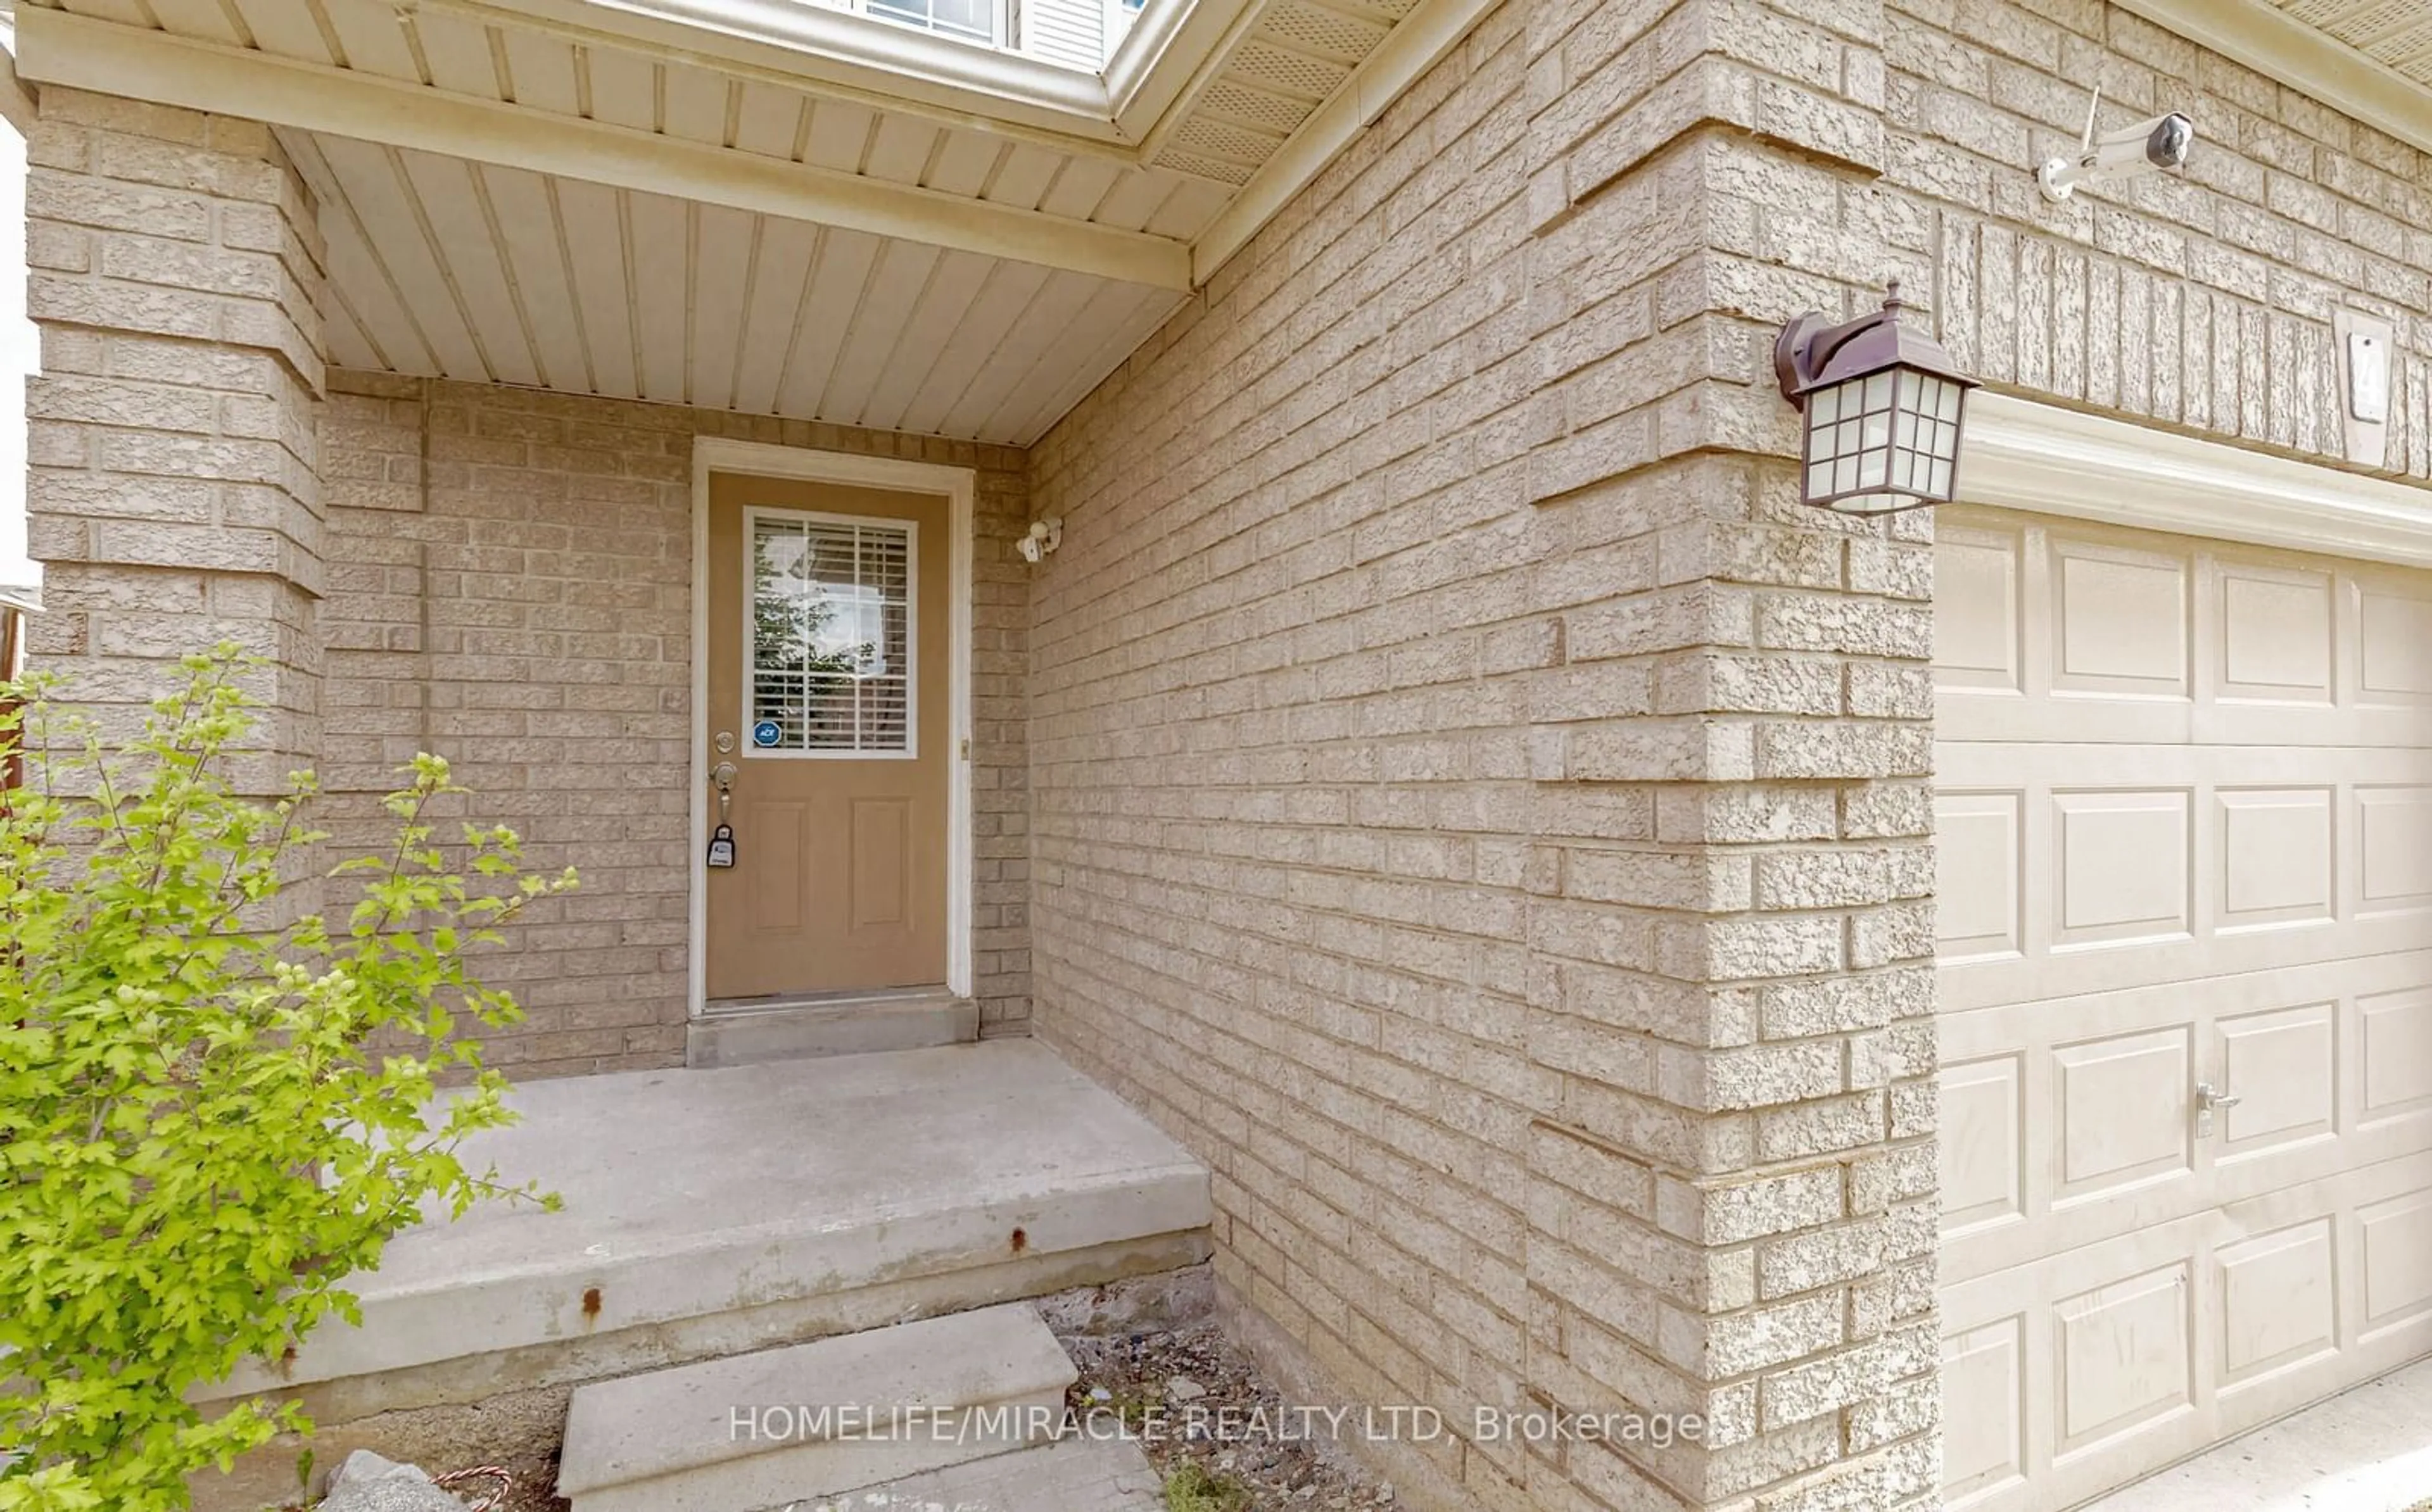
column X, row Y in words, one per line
column 2201, row 303
column 172, row 492
column 1487, row 817
column 510, row 585
column 1483, row 813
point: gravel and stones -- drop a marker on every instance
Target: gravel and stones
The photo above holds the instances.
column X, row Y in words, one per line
column 1194, row 1398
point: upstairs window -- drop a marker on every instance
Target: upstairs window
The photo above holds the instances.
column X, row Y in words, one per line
column 972, row 20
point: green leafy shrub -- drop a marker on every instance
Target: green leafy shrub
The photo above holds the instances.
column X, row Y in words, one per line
column 213, row 1104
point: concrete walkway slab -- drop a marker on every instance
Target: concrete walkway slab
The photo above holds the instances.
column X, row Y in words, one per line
column 695, row 1195
column 2368, row 1449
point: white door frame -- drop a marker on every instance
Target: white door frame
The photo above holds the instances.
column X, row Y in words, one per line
column 960, row 486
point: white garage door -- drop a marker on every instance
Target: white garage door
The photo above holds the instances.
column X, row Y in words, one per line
column 2184, row 807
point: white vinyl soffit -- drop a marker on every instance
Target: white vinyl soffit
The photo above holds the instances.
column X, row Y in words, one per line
column 1210, row 116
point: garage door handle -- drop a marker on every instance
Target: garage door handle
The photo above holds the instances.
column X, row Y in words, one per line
column 2209, row 1099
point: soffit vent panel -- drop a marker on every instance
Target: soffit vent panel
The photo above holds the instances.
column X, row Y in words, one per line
column 2395, row 33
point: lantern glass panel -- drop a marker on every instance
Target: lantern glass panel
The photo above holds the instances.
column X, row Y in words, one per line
column 1883, row 437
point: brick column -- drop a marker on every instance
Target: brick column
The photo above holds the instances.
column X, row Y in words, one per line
column 1732, row 1193
column 172, row 492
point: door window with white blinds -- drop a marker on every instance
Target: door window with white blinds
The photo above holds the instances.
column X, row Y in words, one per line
column 829, row 646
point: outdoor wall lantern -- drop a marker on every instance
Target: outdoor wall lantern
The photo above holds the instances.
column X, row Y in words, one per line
column 1883, row 405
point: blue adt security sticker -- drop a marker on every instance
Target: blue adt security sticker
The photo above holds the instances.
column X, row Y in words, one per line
column 766, row 734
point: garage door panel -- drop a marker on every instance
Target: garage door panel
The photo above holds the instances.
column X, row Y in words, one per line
column 1993, row 1249
column 2394, row 634
column 2250, row 1301
column 2111, row 1367
column 1976, row 715
column 2283, row 1067
column 2184, row 816
column 2282, row 725
column 2062, row 631
column 2275, row 636
column 1977, row 637
column 1968, row 716
column 2397, row 1241
column 2395, row 1030
column 2118, row 621
column 1985, row 1398
column 2046, row 766
column 2124, row 868
column 2393, row 826
column 2390, row 982
column 2279, row 1301
column 2276, row 856
column 1970, row 985
column 1979, row 894
column 2126, row 1357
column 2314, row 1101
column 1981, row 1137
column 2120, row 1112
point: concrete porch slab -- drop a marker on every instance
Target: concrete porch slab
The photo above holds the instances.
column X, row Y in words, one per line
column 711, row 1211
column 2366, row 1450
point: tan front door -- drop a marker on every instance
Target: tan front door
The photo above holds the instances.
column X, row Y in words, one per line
column 827, row 678
column 2185, row 835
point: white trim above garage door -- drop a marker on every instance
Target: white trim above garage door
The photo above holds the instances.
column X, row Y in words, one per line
column 2022, row 455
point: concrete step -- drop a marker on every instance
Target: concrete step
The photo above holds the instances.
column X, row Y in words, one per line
column 748, row 1032
column 1075, row 1474
column 711, row 1213
column 783, row 1427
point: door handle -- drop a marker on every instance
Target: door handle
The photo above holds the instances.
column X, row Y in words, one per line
column 724, row 776
column 2210, row 1100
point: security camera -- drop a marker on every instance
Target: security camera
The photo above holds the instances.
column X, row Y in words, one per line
column 1042, row 539
column 2163, row 141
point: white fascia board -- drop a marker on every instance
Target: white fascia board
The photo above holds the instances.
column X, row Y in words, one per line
column 797, row 43
column 1419, row 41
column 16, row 100
column 110, row 59
column 2307, row 58
column 2021, row 455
